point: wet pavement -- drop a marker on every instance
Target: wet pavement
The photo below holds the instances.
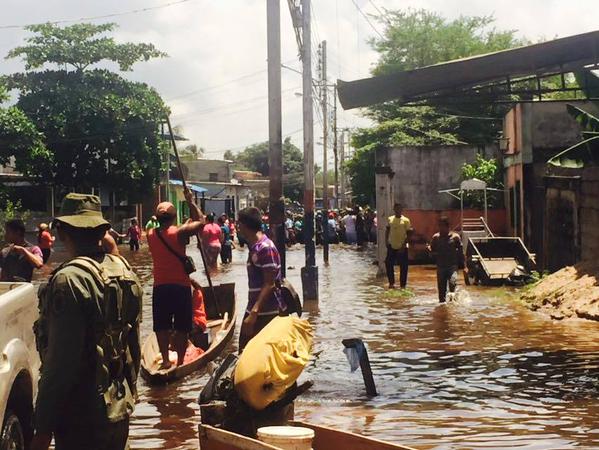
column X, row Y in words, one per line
column 481, row 372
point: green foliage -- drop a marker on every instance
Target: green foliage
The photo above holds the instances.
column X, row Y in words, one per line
column 9, row 210
column 191, row 152
column 229, row 155
column 98, row 128
column 79, row 46
column 19, row 138
column 489, row 171
column 412, row 126
column 419, row 38
column 586, row 151
column 398, row 293
column 255, row 158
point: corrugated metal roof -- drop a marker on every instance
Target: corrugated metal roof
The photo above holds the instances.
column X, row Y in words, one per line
column 556, row 56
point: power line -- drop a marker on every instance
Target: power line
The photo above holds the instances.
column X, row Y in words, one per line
column 216, row 86
column 104, row 16
column 260, row 98
column 376, row 7
column 367, row 19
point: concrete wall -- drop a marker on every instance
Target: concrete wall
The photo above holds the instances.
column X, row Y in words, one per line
column 589, row 214
column 535, row 131
column 422, row 171
column 200, row 170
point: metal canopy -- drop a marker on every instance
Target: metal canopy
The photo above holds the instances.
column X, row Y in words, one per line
column 502, row 68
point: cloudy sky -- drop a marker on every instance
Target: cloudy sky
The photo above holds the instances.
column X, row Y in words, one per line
column 215, row 76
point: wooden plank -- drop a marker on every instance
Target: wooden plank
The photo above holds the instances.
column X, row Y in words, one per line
column 330, row 439
column 216, row 439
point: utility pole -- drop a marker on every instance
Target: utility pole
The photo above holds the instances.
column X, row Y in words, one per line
column 309, row 271
column 325, row 179
column 335, row 147
column 342, row 170
column 275, row 140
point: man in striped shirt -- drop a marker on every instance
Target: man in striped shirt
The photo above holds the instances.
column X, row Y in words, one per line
column 264, row 269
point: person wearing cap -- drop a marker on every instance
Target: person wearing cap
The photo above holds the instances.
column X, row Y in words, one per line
column 20, row 257
column 152, row 223
column 87, row 340
column 171, row 295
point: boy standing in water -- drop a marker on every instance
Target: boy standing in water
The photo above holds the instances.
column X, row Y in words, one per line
column 134, row 233
column 264, row 269
column 446, row 247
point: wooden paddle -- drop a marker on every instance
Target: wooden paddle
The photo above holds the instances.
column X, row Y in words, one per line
column 200, row 247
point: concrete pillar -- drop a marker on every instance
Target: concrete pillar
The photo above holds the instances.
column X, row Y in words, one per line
column 384, row 209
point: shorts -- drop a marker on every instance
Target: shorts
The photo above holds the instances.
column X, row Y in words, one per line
column 46, row 252
column 172, row 308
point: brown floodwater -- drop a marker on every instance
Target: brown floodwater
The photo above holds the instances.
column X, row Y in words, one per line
column 481, row 372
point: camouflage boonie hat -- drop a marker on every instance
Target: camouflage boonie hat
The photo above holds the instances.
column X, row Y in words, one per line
column 82, row 211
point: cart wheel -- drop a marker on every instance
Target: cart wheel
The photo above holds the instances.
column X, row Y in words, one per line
column 466, row 279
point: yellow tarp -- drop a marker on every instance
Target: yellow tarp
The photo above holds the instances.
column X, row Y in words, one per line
column 273, row 360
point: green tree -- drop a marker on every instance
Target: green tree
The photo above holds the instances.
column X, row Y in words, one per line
column 99, row 128
column 20, row 139
column 229, row 155
column 419, row 38
column 489, row 171
column 255, row 158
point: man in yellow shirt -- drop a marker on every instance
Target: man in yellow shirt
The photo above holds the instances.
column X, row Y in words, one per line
column 397, row 234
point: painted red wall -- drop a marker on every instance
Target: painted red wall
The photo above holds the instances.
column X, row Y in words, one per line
column 425, row 222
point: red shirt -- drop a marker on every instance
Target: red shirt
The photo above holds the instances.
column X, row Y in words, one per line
column 45, row 240
column 134, row 232
column 199, row 311
column 168, row 269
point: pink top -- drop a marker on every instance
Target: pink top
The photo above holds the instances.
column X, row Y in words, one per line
column 211, row 234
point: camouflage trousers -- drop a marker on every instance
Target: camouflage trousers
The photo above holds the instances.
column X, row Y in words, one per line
column 92, row 436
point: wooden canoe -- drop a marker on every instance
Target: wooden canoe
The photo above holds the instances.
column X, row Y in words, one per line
column 221, row 332
column 325, row 438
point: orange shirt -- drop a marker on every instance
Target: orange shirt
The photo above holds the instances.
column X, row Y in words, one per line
column 199, row 311
column 45, row 240
column 168, row 269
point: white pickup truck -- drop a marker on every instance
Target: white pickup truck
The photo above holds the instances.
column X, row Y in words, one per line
column 19, row 363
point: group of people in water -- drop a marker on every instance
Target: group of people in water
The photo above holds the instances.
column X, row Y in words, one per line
column 90, row 310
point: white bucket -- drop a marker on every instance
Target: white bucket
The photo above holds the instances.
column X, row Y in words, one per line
column 287, row 438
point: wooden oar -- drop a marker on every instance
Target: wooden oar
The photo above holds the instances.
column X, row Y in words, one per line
column 200, row 247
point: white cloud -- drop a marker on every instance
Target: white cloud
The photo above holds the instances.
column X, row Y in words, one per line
column 212, row 42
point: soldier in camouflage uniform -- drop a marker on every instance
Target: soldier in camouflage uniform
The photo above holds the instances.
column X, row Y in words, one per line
column 88, row 338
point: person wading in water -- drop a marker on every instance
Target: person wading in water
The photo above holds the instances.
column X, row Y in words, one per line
column 446, row 247
column 397, row 234
column 87, row 335
column 45, row 241
column 264, row 269
column 171, row 296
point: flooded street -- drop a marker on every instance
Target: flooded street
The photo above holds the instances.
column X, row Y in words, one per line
column 483, row 372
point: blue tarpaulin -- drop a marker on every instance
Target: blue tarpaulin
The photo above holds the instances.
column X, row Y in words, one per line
column 193, row 187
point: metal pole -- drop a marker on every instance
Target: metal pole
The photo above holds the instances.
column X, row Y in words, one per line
column 310, row 271
column 275, row 140
column 342, row 170
column 325, row 179
column 200, row 246
column 335, row 148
